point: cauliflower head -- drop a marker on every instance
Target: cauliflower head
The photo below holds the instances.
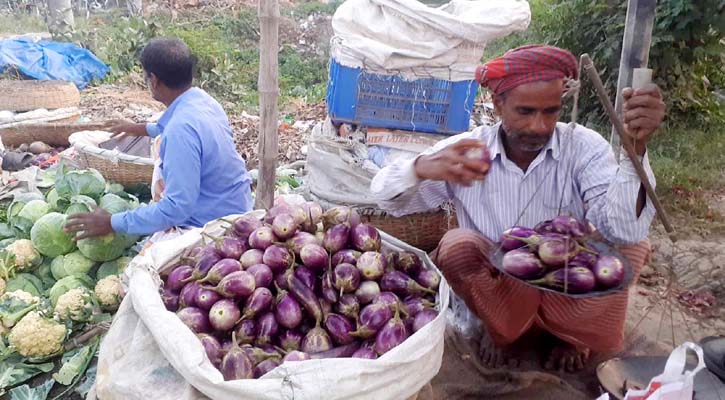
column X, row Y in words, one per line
column 109, row 291
column 36, row 336
column 15, row 305
column 74, row 305
column 24, row 254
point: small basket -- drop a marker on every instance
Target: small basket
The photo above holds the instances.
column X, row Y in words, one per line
column 115, row 166
column 422, row 230
column 27, row 95
column 52, row 134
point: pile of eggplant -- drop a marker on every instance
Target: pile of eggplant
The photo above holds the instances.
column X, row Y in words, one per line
column 555, row 254
column 302, row 284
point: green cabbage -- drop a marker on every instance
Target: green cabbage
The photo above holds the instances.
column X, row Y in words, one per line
column 107, row 247
column 114, row 204
column 88, row 182
column 56, row 202
column 80, row 204
column 25, row 282
column 114, row 267
column 44, row 273
column 49, row 238
column 70, row 264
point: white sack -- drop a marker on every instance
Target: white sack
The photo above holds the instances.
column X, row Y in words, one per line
column 150, row 354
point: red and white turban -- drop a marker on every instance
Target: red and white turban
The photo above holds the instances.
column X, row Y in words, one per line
column 524, row 65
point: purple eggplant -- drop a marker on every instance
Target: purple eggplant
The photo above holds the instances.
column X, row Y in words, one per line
column 556, row 251
column 428, row 278
column 523, row 264
column 326, row 308
column 287, row 310
column 340, row 215
column 348, row 306
column 399, row 282
column 244, row 226
column 205, row 261
column 259, row 302
column 300, row 240
column 195, row 318
column 237, row 364
column 252, row 257
column 246, row 331
column 390, row 335
column 509, row 238
column 296, row 356
column 372, row 318
column 344, row 351
column 262, row 274
column 367, row 292
column 262, row 238
column 365, row 352
column 267, row 328
column 205, row 298
column 280, row 280
column 278, row 258
column 229, row 247
column 212, row 347
column 544, row 227
column 346, row 278
column 316, row 340
column 177, row 278
column 284, row 226
column 187, row 297
column 392, row 259
column 568, row 225
column 336, row 238
column 414, row 305
column 348, row 256
column 313, row 214
column 423, row 318
column 222, row 268
column 608, row 272
column 314, row 257
column 265, row 366
column 170, row 299
column 328, row 287
column 238, row 285
column 290, row 340
column 569, row 280
column 339, row 329
column 365, row 238
column 223, row 315
column 583, row 259
column 306, row 276
column 407, row 262
column 371, row 264
column 305, row 296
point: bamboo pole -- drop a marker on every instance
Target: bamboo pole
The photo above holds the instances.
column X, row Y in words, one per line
column 268, row 92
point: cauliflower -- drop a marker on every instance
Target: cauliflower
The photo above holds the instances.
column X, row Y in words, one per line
column 37, row 337
column 14, row 305
column 75, row 305
column 24, row 254
column 2, row 286
column 109, row 291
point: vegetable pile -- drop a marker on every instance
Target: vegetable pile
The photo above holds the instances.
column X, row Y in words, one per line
column 43, row 155
column 56, row 293
column 299, row 285
column 556, row 254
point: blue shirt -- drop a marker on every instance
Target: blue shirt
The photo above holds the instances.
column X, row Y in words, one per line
column 204, row 176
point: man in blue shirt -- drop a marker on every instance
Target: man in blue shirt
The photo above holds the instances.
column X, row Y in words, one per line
column 204, row 177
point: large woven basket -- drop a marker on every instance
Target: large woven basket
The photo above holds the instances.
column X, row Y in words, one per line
column 53, row 134
column 115, row 166
column 30, row 95
column 422, row 230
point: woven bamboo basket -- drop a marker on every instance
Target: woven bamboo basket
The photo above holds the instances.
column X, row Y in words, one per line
column 421, row 230
column 115, row 166
column 27, row 95
column 53, row 134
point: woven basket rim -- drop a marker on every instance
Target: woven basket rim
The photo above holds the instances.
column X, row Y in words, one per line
column 112, row 155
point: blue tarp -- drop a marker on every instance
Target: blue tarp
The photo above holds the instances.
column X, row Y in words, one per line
column 47, row 60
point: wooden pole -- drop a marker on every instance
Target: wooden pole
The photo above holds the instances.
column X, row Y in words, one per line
column 635, row 52
column 268, row 92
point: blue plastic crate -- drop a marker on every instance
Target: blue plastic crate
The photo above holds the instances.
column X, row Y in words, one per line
column 388, row 101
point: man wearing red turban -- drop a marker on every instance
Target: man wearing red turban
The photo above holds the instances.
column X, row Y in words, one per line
column 539, row 168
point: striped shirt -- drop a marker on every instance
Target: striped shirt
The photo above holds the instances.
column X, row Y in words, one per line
column 575, row 174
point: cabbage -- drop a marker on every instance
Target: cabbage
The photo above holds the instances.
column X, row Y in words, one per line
column 56, row 202
column 49, row 238
column 33, row 210
column 46, row 276
column 106, row 247
column 115, row 267
column 114, row 204
column 70, row 264
column 25, row 282
column 25, row 209
column 19, row 201
column 6, row 231
column 80, row 204
column 87, row 182
column 68, row 283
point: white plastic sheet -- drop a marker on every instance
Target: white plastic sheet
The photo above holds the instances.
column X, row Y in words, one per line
column 150, row 354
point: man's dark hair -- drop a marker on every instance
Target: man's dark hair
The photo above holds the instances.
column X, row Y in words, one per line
column 170, row 60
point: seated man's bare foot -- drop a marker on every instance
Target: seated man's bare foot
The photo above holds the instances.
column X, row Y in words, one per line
column 493, row 356
column 567, row 357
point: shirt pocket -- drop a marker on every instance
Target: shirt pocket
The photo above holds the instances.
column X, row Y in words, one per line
column 558, row 196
